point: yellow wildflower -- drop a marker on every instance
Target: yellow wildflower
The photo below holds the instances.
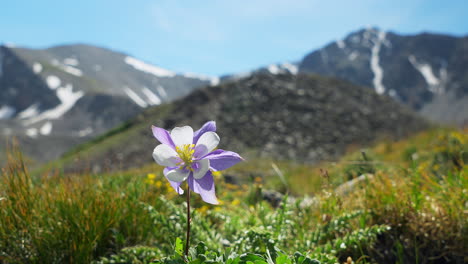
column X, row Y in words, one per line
column 216, row 173
column 151, row 176
column 235, row 202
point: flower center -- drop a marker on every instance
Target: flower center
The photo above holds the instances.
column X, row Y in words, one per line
column 185, row 153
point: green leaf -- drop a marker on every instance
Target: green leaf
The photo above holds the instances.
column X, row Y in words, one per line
column 233, row 261
column 201, row 248
column 179, row 246
column 308, row 260
column 251, row 257
column 283, row 259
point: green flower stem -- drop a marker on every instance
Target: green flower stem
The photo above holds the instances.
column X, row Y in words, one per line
column 189, row 220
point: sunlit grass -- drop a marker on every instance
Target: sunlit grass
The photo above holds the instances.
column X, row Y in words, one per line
column 411, row 208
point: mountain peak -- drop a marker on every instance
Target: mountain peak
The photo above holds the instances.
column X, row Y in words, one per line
column 423, row 71
column 72, row 92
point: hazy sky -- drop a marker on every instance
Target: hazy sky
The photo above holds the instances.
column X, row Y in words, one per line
column 218, row 37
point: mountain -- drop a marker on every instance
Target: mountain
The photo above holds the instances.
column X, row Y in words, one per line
column 301, row 117
column 52, row 99
column 428, row 72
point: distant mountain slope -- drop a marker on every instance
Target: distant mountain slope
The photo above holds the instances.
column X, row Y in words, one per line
column 428, row 72
column 72, row 93
column 306, row 118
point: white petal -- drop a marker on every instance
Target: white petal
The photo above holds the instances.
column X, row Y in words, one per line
column 207, row 143
column 203, row 169
column 178, row 175
column 182, row 135
column 165, row 155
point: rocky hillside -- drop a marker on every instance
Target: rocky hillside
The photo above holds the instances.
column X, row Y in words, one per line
column 307, row 118
column 54, row 98
column 428, row 72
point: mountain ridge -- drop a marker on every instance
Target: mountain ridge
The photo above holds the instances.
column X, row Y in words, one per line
column 79, row 91
column 306, row 118
column 414, row 69
column 54, row 92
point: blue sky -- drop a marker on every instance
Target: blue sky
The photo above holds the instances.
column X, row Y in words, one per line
column 218, row 37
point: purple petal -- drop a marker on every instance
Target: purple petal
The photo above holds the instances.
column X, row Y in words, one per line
column 163, row 136
column 175, row 185
column 205, row 187
column 208, row 126
column 222, row 159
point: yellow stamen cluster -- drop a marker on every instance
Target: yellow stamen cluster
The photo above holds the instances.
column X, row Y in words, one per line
column 185, row 153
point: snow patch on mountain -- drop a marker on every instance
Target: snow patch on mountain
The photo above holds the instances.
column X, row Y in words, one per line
column 281, row 68
column 213, row 80
column 273, row 69
column 71, row 61
column 135, row 98
column 374, row 63
column 6, row 112
column 31, row 132
column 290, row 67
column 67, row 98
column 161, row 91
column 153, row 99
column 53, row 82
column 37, row 67
column 46, row 129
column 67, row 68
column 341, row 44
column 72, row 70
column 148, row 68
column 31, row 111
column 434, row 83
column 85, row 132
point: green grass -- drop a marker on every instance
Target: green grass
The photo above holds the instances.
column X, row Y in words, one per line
column 411, row 209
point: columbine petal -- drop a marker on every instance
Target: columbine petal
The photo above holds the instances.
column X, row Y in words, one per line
column 163, row 136
column 182, row 135
column 165, row 155
column 222, row 159
column 178, row 175
column 208, row 126
column 200, row 168
column 175, row 185
column 206, row 143
column 205, row 187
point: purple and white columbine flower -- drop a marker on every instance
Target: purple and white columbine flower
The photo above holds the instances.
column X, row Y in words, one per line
column 191, row 156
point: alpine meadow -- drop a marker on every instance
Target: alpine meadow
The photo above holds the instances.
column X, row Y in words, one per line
column 305, row 139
